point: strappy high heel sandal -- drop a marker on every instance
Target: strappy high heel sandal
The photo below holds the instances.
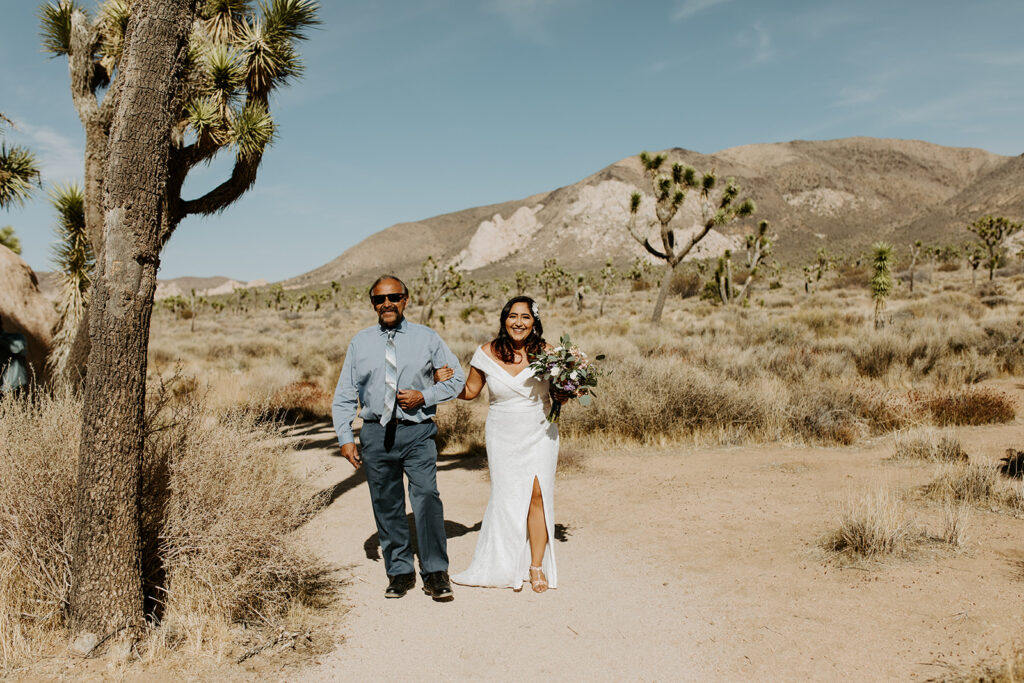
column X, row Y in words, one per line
column 538, row 581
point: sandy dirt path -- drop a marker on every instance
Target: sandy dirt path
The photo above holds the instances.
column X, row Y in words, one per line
column 685, row 564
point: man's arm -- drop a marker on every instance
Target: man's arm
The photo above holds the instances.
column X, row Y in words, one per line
column 441, row 355
column 346, row 399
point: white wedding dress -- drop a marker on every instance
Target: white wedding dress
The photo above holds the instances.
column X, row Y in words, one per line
column 521, row 445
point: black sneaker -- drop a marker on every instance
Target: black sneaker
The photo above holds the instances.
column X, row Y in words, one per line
column 399, row 585
column 437, row 586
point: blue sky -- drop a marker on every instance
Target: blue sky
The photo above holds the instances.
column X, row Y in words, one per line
column 413, row 109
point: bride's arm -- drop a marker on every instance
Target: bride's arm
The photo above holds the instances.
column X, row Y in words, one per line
column 474, row 385
column 474, row 381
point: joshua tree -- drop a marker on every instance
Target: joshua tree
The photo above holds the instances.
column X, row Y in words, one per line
column 106, row 595
column 522, row 282
column 881, row 280
column 915, row 251
column 581, row 289
column 759, row 247
column 975, row 257
column 993, row 231
column 434, row 284
column 669, row 194
column 75, row 262
column 276, row 295
column 19, row 172
column 607, row 277
column 552, row 277
column 238, row 56
column 9, row 239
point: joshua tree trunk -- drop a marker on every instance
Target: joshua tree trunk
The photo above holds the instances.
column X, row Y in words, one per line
column 106, row 590
column 659, row 303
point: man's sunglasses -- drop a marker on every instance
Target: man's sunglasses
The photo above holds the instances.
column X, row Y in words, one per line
column 394, row 297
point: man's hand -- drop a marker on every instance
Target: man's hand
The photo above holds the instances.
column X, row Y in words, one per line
column 351, row 453
column 409, row 399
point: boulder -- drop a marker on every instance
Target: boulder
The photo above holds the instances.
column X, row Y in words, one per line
column 24, row 309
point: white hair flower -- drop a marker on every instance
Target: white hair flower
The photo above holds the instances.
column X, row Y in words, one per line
column 535, row 310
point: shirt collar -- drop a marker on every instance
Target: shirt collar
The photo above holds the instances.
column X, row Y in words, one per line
column 399, row 328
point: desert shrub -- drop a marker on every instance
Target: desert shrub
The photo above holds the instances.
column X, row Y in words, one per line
column 1013, row 464
column 949, row 267
column 685, row 283
column 974, row 406
column 850, row 277
column 874, row 525
column 219, row 507
column 954, row 524
column 875, row 356
column 839, row 412
column 297, row 402
column 1004, row 339
column 968, row 482
column 458, row 425
column 645, row 401
column 928, row 444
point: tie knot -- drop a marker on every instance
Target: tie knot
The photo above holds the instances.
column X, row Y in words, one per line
column 391, row 334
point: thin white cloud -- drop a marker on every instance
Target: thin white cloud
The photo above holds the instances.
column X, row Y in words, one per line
column 855, row 96
column 687, row 8
column 61, row 159
column 763, row 50
column 527, row 18
column 821, row 21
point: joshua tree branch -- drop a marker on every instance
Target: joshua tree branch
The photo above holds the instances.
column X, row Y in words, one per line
column 82, row 67
column 243, row 175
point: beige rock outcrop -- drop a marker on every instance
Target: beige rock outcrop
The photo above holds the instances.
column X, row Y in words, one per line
column 24, row 309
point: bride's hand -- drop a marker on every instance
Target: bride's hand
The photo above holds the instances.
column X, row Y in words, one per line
column 443, row 374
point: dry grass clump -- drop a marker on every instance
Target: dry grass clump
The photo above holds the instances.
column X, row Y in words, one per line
column 219, row 506
column 970, row 482
column 930, row 445
column 459, row 426
column 298, row 402
column 874, row 525
column 974, row 406
column 954, row 524
column 842, row 413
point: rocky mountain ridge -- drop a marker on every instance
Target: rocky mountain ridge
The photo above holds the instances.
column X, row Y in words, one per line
column 839, row 194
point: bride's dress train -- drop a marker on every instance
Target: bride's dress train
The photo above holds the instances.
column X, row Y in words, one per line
column 521, row 446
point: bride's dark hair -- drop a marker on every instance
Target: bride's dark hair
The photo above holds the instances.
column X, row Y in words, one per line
column 502, row 344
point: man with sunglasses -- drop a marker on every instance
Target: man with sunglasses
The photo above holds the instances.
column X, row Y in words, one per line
column 389, row 371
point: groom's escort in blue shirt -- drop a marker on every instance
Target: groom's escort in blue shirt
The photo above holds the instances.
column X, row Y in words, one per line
column 405, row 445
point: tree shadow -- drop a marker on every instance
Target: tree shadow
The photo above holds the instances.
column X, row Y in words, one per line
column 451, row 530
column 473, row 458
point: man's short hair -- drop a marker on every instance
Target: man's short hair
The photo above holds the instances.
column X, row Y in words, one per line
column 382, row 278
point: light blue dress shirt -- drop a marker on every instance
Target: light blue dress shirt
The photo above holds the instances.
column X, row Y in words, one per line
column 419, row 350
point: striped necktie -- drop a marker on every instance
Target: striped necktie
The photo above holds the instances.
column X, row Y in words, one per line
column 390, row 379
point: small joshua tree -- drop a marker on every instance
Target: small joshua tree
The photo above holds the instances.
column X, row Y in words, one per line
column 607, row 275
column 669, row 194
column 975, row 257
column 9, row 239
column 993, row 231
column 759, row 247
column 434, row 284
column 19, row 171
column 881, row 280
column 915, row 252
column 552, row 278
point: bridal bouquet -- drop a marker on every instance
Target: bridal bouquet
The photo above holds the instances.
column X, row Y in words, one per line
column 570, row 371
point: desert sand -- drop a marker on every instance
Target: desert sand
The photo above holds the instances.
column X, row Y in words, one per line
column 685, row 564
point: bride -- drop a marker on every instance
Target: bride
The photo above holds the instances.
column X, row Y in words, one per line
column 522, row 451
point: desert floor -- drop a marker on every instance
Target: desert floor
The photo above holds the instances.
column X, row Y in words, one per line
column 685, row 564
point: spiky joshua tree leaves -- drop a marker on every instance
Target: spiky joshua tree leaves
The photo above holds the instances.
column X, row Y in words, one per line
column 19, row 171
column 669, row 194
column 759, row 247
column 9, row 239
column 240, row 52
column 434, row 284
column 881, row 279
column 74, row 261
column 992, row 231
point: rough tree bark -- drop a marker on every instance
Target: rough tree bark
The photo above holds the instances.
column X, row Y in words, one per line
column 106, row 590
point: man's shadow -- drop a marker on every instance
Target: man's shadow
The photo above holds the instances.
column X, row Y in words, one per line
column 451, row 530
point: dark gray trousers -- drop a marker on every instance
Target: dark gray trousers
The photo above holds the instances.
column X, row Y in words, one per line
column 413, row 453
